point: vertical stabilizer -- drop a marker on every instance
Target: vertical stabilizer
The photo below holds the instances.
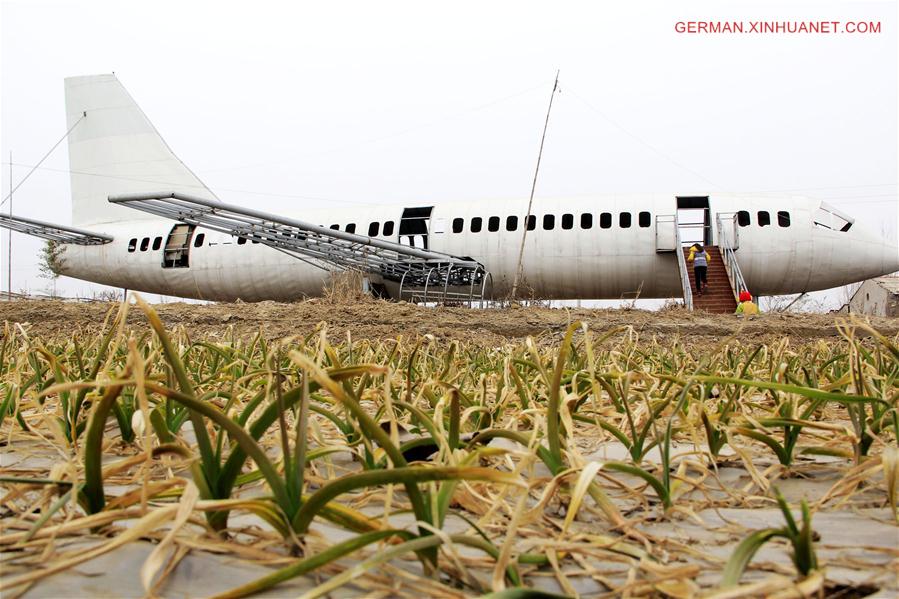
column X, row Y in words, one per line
column 116, row 150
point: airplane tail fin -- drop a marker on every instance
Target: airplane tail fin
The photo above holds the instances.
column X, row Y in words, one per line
column 114, row 149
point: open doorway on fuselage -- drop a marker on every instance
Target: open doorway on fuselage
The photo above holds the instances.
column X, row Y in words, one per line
column 177, row 246
column 694, row 220
column 414, row 227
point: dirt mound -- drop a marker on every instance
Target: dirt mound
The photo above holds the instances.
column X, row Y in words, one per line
column 380, row 319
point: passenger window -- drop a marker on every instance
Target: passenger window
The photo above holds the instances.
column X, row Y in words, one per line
column 335, row 227
column 532, row 222
column 567, row 221
column 743, row 218
column 511, row 223
column 645, row 219
column 198, row 241
column 586, row 221
column 458, row 225
column 241, row 240
column 132, row 244
column 144, row 244
column 764, row 219
column 783, row 218
column 388, row 228
column 605, row 220
column 476, row 223
column 624, row 220
column 157, row 242
column 493, row 224
column 351, row 228
column 549, row 222
column 374, row 229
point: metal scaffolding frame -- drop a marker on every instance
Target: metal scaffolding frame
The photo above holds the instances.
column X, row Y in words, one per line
column 414, row 269
column 52, row 232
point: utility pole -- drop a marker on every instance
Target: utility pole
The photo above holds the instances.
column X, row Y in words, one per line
column 524, row 233
column 9, row 238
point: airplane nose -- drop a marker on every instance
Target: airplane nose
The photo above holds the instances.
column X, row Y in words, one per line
column 890, row 258
column 871, row 255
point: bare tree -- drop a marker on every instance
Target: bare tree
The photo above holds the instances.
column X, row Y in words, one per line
column 791, row 303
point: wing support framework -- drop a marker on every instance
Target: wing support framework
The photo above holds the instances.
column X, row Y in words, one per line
column 52, row 232
column 421, row 275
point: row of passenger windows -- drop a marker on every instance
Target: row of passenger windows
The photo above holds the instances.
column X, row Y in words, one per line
column 494, row 223
column 157, row 242
column 763, row 219
column 548, row 222
column 476, row 225
column 374, row 229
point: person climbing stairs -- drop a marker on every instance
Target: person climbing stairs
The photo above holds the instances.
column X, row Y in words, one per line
column 718, row 297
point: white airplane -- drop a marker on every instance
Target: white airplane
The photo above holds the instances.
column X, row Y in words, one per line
column 143, row 221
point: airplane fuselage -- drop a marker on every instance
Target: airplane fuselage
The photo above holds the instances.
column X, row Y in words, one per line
column 601, row 247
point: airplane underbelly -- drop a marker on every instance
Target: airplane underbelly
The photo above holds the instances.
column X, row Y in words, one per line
column 254, row 273
column 593, row 277
column 267, row 275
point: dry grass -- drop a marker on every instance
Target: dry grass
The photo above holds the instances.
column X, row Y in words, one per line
column 345, row 287
column 558, row 463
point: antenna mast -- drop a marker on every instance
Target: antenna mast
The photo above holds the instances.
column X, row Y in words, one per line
column 524, row 233
column 9, row 237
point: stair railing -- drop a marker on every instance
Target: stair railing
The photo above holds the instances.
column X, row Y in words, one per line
column 686, row 287
column 731, row 266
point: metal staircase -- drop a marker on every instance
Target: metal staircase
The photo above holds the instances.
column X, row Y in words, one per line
column 686, row 289
column 725, row 278
column 724, row 275
column 728, row 241
column 416, row 274
column 668, row 239
column 718, row 297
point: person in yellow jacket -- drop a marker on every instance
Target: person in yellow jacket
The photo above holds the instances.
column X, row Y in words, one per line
column 700, row 259
column 746, row 307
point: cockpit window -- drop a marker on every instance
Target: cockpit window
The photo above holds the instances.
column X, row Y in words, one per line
column 829, row 217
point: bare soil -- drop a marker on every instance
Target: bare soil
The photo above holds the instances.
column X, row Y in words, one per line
column 375, row 319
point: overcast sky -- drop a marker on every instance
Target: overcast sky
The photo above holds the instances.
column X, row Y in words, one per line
column 286, row 105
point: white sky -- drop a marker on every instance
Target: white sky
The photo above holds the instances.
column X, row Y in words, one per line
column 281, row 105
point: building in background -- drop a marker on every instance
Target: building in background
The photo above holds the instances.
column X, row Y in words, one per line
column 876, row 297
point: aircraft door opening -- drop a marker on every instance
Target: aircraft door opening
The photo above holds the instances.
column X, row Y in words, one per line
column 414, row 227
column 694, row 220
column 177, row 247
column 666, row 234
